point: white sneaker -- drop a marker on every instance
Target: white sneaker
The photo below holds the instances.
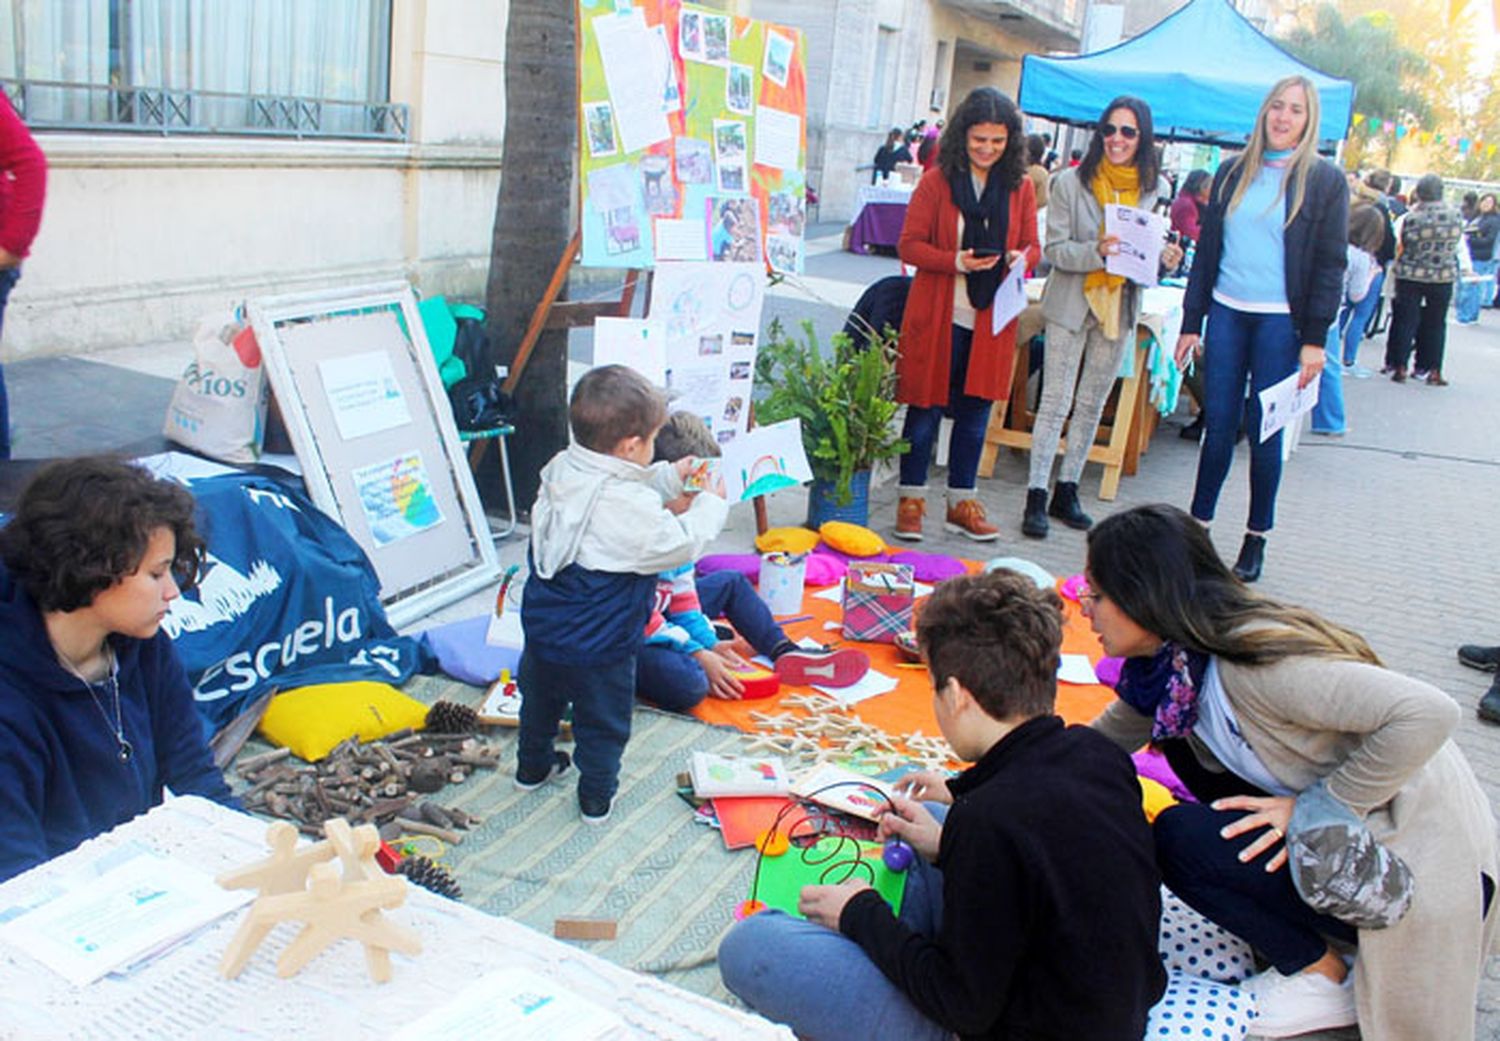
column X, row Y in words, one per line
column 1292, row 1005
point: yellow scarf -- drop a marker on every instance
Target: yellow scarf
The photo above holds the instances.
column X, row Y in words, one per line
column 1112, row 185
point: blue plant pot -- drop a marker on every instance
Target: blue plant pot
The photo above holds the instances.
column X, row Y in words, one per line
column 823, row 506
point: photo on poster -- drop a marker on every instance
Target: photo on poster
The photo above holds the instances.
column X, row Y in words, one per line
column 787, row 213
column 599, row 126
column 739, row 89
column 622, row 230
column 724, row 436
column 733, row 229
column 778, row 60
column 729, row 154
column 690, row 35
column 732, row 409
column 657, row 187
column 716, row 38
column 783, row 252
column 742, row 341
column 711, row 345
column 741, row 370
column 695, row 161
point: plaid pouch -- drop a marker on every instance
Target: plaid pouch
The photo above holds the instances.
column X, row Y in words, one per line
column 878, row 601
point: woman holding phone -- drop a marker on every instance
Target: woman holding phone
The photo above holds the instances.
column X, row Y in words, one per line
column 1268, row 276
column 1090, row 312
column 972, row 218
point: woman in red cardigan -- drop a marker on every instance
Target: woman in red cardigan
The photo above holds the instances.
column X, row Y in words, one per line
column 971, row 219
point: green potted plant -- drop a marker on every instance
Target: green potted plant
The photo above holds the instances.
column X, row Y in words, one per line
column 847, row 404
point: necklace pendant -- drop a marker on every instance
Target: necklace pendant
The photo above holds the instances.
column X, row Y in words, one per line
column 126, row 750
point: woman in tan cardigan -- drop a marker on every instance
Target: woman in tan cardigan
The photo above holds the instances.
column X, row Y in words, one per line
column 1263, row 710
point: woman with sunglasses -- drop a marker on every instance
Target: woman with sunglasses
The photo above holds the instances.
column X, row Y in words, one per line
column 1268, row 276
column 96, row 716
column 1090, row 313
column 972, row 218
column 1322, row 780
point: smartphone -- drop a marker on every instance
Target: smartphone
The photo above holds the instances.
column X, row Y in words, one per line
column 987, row 251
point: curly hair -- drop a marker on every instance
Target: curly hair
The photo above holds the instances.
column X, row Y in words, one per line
column 984, row 105
column 1147, row 168
column 83, row 524
column 999, row 636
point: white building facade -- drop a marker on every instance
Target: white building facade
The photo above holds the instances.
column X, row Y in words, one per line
column 192, row 164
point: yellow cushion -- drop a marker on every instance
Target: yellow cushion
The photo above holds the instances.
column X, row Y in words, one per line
column 786, row 540
column 312, row 720
column 1155, row 797
column 853, row 539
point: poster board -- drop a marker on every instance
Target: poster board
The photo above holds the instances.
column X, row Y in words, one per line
column 370, row 423
column 692, row 132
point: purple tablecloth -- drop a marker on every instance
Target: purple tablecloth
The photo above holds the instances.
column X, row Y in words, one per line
column 878, row 224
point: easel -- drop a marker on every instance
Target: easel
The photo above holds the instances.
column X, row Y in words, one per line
column 552, row 313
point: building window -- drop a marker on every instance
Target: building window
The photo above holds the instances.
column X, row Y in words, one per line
column 884, row 81
column 287, row 67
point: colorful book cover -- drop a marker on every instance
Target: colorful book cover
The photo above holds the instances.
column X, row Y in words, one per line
column 844, row 790
column 716, row 776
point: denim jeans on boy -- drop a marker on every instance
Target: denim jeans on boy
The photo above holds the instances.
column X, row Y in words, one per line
column 821, row 983
column 1260, row 907
column 970, row 415
column 673, row 679
column 1328, row 413
column 1240, row 345
column 602, row 697
column 7, row 283
column 1354, row 332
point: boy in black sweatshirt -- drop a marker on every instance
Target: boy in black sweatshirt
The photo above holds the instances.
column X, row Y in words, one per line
column 1031, row 911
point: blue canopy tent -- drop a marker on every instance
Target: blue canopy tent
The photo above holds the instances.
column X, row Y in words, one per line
column 1204, row 71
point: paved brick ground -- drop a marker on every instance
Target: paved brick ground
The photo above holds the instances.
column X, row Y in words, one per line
column 1391, row 530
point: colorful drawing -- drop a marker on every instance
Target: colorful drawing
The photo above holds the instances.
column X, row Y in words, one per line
column 599, row 123
column 695, row 161
column 396, row 497
column 738, row 88
column 778, row 57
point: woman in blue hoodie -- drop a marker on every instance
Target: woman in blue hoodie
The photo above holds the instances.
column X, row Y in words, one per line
column 96, row 715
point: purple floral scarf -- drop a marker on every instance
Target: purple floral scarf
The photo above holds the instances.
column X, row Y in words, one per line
column 1165, row 686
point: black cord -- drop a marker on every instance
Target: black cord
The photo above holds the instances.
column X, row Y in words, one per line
column 822, row 820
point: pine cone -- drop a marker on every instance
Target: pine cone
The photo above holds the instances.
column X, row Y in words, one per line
column 430, row 875
column 448, row 717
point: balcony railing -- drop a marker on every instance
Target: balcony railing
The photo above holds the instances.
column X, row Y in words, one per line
column 49, row 105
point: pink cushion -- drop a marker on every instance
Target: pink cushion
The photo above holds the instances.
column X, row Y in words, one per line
column 823, row 569
column 930, row 567
column 1071, row 586
column 1108, row 671
column 747, row 564
column 825, row 549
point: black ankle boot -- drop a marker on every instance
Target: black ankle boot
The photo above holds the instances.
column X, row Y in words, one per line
column 1065, row 506
column 1252, row 558
column 1034, row 522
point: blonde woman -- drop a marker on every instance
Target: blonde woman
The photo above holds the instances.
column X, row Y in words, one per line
column 1090, row 313
column 1268, row 277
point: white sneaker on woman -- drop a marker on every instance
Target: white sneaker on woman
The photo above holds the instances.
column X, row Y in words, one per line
column 1292, row 1005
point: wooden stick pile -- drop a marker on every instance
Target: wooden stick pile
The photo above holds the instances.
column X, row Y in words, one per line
column 827, row 730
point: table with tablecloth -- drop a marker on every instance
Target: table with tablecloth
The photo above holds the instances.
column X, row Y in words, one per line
column 879, row 213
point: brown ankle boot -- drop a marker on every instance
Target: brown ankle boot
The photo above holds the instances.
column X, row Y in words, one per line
column 909, row 514
column 966, row 517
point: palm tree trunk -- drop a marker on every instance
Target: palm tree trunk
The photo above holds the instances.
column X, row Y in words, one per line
column 533, row 224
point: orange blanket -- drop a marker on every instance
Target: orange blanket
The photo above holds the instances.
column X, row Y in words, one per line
column 908, row 708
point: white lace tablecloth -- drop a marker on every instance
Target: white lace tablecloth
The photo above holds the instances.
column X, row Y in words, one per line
column 180, row 994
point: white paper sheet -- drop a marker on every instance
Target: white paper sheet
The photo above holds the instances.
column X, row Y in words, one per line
column 116, row 917
column 516, row 1005
column 1076, row 668
column 630, row 56
column 1010, row 299
column 681, row 239
column 363, row 394
column 765, row 460
column 637, row 343
column 1282, row 402
column 1141, row 234
column 778, row 138
column 873, row 684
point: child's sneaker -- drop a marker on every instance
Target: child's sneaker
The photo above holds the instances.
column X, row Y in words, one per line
column 527, row 783
column 594, row 809
column 824, row 666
